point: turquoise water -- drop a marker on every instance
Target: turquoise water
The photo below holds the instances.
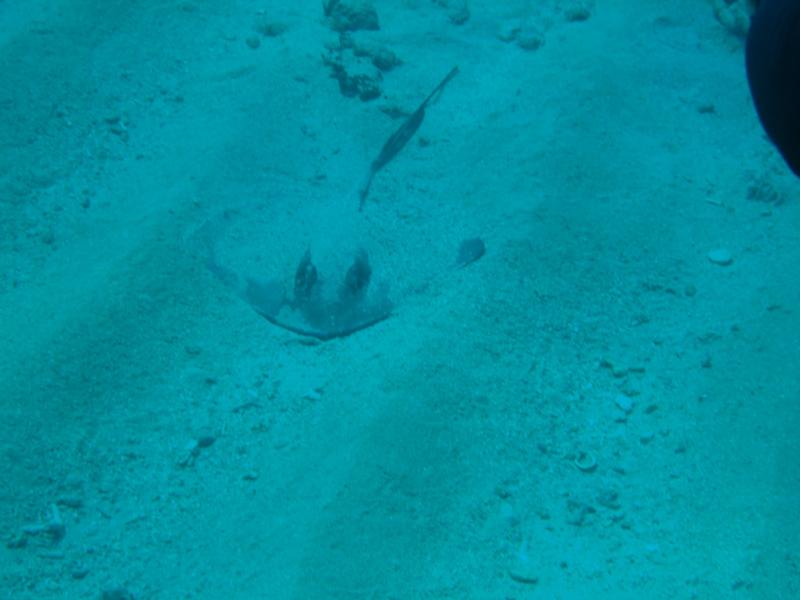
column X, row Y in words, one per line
column 595, row 397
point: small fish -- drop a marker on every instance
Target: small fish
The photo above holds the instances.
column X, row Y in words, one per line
column 400, row 138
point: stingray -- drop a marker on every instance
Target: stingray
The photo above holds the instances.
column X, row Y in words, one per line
column 400, row 138
column 773, row 72
column 310, row 310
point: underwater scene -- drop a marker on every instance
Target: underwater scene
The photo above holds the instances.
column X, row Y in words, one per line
column 399, row 299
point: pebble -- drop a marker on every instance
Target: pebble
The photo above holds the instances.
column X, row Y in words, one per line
column 204, row 441
column 720, row 256
column 469, row 251
column 508, row 32
column 313, row 395
column 624, row 403
column 193, row 449
column 524, row 569
column 585, row 462
column 80, row 572
column 70, row 502
column 250, row 476
column 269, row 29
column 576, row 14
column 530, row 39
column 507, row 512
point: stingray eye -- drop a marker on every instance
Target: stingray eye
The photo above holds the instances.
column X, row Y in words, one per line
column 358, row 275
column 305, row 277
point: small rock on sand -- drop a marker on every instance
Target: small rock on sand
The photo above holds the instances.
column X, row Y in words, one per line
column 523, row 568
column 720, row 256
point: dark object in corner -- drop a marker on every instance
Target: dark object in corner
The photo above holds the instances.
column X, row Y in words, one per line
column 773, row 72
column 469, row 251
column 400, row 138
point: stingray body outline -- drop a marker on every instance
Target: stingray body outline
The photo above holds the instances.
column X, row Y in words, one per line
column 316, row 316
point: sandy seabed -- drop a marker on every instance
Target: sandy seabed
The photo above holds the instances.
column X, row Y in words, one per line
column 594, row 409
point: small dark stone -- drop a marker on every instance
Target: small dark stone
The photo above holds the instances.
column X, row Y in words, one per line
column 204, row 441
column 270, row 29
column 469, row 251
column 70, row 502
column 80, row 572
column 576, row 14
